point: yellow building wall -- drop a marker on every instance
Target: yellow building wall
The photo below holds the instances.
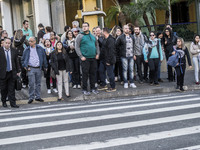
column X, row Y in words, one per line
column 192, row 12
column 89, row 5
column 92, row 20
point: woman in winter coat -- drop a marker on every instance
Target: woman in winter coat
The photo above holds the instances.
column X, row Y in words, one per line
column 195, row 51
column 181, row 66
column 169, row 42
column 48, row 50
column 152, row 52
column 19, row 43
column 61, row 66
column 74, row 59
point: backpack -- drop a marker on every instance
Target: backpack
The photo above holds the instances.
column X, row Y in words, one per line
column 174, row 59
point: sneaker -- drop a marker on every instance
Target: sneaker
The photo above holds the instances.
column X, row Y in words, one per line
column 182, row 90
column 111, row 90
column 74, row 87
column 101, row 88
column 96, row 85
column 126, row 85
column 122, row 82
column 160, row 80
column 79, row 86
column 59, row 99
column 24, row 85
column 95, row 92
column 151, row 83
column 107, row 82
column 140, row 81
column 156, row 84
column 55, row 90
column 132, row 85
column 49, row 91
column 178, row 88
column 86, row 93
column 116, row 79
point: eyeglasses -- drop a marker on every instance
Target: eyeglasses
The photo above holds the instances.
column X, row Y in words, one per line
column 31, row 41
column 152, row 35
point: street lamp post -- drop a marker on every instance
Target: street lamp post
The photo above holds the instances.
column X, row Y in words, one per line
column 198, row 15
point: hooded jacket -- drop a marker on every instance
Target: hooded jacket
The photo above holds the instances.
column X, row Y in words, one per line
column 86, row 45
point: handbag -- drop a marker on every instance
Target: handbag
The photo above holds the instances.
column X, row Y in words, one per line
column 18, row 84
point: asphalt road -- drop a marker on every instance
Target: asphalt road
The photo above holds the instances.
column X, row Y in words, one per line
column 153, row 122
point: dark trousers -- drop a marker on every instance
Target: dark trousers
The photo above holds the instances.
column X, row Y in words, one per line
column 153, row 66
column 170, row 70
column 75, row 63
column 139, row 62
column 111, row 76
column 102, row 73
column 118, row 70
column 8, row 88
column 48, row 76
column 24, row 75
column 89, row 68
column 180, row 75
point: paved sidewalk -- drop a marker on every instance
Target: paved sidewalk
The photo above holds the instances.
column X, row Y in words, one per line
column 142, row 89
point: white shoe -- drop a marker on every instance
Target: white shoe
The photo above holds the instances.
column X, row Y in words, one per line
column 79, row 86
column 24, row 86
column 96, row 85
column 116, row 79
column 74, row 87
column 49, row 91
column 132, row 85
column 55, row 90
column 126, row 85
column 107, row 82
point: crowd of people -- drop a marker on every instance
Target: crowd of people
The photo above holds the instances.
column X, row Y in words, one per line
column 101, row 57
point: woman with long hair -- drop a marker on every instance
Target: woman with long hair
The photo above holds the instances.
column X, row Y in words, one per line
column 169, row 42
column 48, row 50
column 181, row 66
column 61, row 66
column 19, row 43
column 195, row 51
column 74, row 59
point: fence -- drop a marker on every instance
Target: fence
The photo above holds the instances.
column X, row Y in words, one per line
column 184, row 30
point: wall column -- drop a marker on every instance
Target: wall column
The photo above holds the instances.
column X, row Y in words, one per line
column 6, row 17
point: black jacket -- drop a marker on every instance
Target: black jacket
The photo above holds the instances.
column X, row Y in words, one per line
column 40, row 35
column 183, row 59
column 3, row 64
column 109, row 50
column 169, row 46
column 19, row 45
column 121, row 44
column 54, row 62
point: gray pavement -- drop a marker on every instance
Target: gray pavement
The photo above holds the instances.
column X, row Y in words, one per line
column 142, row 89
column 152, row 122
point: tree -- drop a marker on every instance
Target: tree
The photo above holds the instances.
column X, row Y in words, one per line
column 115, row 11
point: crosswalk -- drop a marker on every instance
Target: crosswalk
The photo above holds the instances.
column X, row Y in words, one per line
column 161, row 122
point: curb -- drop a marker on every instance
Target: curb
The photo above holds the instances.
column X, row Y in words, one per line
column 122, row 93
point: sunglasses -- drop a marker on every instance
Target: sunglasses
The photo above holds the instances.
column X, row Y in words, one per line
column 152, row 35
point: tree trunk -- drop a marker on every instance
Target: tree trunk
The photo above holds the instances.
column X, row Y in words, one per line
column 146, row 20
column 122, row 18
column 154, row 21
column 167, row 17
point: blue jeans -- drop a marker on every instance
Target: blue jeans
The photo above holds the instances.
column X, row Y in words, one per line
column 127, row 65
column 34, row 77
column 102, row 73
column 111, row 76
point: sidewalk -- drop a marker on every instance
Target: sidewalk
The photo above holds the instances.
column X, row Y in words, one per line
column 142, row 89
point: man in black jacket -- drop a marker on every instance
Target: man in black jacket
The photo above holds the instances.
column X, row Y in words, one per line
column 108, row 50
column 126, row 42
column 9, row 66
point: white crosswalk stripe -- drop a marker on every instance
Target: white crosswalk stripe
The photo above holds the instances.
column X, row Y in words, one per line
column 96, row 124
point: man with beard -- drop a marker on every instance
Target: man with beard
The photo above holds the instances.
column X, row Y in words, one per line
column 140, row 40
